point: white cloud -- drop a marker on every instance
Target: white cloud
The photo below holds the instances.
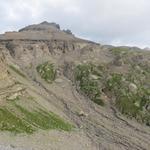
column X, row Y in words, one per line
column 107, row 21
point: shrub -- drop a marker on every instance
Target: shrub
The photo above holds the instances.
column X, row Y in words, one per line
column 47, row 71
column 88, row 86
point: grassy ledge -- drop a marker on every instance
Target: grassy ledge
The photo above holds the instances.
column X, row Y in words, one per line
column 10, row 122
column 17, row 119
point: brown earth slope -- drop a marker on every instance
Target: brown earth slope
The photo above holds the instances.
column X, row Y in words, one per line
column 28, row 57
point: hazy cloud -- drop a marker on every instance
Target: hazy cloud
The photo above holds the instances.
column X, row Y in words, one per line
column 120, row 22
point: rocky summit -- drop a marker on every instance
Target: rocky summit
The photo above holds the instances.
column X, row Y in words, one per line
column 61, row 92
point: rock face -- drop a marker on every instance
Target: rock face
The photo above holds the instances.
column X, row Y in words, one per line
column 97, row 127
column 3, row 68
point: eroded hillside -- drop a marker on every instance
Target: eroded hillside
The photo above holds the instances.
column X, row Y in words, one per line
column 56, row 87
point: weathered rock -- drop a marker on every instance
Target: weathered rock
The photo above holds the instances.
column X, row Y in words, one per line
column 82, row 113
column 132, row 87
column 58, row 80
column 94, row 77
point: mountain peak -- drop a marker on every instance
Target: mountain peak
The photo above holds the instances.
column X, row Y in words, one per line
column 41, row 27
column 50, row 24
column 45, row 23
column 41, row 31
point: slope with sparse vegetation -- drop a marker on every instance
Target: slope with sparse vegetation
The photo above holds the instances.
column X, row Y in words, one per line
column 18, row 119
column 100, row 93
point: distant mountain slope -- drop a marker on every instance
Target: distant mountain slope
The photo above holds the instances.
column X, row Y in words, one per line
column 70, row 93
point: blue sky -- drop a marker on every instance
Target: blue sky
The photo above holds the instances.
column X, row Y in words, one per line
column 117, row 22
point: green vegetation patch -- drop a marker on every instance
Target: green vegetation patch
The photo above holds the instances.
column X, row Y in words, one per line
column 47, row 71
column 120, row 51
column 17, row 119
column 13, row 123
column 44, row 120
column 133, row 103
column 87, row 77
column 130, row 90
column 17, row 71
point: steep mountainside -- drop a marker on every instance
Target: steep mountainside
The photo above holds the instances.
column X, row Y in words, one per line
column 70, row 93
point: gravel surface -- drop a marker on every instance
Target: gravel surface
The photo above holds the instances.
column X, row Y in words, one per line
column 12, row 148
